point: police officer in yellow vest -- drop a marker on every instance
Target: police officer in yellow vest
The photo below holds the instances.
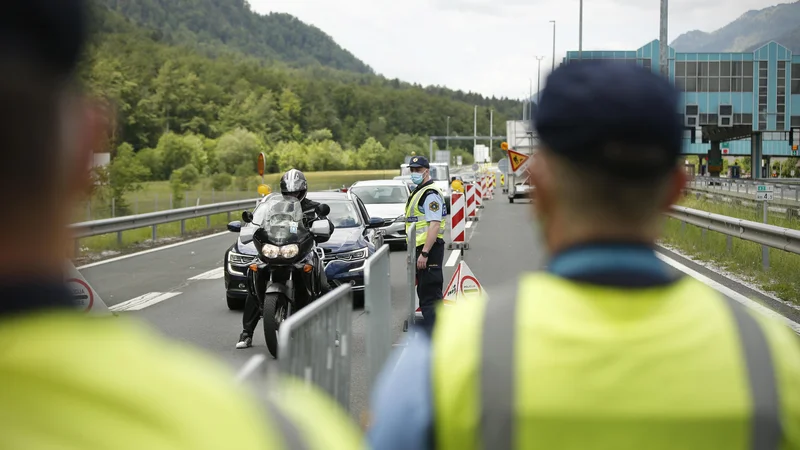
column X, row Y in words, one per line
column 608, row 348
column 70, row 381
column 427, row 209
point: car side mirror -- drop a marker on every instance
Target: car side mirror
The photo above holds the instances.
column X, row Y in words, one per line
column 376, row 222
column 247, row 217
column 235, row 226
column 323, row 210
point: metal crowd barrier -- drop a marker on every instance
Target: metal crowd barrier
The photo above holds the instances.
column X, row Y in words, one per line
column 378, row 308
column 314, row 344
column 411, row 260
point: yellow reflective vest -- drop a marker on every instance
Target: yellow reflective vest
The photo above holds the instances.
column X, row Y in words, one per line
column 559, row 365
column 415, row 215
column 76, row 382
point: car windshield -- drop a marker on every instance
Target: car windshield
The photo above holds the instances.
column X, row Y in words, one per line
column 281, row 217
column 343, row 214
column 381, row 195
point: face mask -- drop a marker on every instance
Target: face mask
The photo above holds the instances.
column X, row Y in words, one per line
column 417, row 178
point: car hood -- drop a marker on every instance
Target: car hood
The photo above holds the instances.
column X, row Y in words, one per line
column 386, row 211
column 342, row 240
column 444, row 186
column 345, row 240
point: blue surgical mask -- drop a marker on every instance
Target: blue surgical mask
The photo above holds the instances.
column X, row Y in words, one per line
column 417, row 178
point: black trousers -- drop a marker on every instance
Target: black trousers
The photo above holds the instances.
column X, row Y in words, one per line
column 252, row 309
column 430, row 283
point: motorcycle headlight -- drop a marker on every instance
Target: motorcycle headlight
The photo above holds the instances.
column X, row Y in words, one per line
column 270, row 251
column 289, row 251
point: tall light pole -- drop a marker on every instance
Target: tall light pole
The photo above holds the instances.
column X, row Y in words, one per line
column 580, row 32
column 447, row 145
column 538, row 78
column 475, row 132
column 554, row 45
column 491, row 133
column 664, row 49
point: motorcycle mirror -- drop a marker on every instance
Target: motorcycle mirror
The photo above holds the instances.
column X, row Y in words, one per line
column 235, row 226
column 323, row 210
column 247, row 217
column 321, row 228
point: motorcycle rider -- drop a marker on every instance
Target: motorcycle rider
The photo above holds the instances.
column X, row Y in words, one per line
column 293, row 184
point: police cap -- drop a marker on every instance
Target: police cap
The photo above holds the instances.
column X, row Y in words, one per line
column 419, row 161
column 614, row 117
column 47, row 33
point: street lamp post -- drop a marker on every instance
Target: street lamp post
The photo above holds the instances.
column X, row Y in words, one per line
column 554, row 45
column 447, row 145
column 539, row 79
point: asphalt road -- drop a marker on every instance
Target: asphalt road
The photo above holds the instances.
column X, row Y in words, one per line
column 180, row 289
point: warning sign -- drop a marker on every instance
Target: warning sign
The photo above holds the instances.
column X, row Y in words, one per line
column 84, row 296
column 517, row 159
column 463, row 283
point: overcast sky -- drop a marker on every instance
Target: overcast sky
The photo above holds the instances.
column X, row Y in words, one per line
column 489, row 46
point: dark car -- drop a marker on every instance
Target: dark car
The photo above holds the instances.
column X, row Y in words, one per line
column 356, row 236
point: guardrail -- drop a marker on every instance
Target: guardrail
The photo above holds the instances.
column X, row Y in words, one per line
column 784, row 239
column 314, row 344
column 153, row 219
column 411, row 263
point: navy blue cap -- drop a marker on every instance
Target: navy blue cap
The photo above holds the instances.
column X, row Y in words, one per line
column 419, row 161
column 48, row 33
column 615, row 117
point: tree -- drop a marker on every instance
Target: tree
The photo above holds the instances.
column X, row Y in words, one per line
column 221, row 181
column 125, row 175
column 372, row 155
column 236, row 148
column 182, row 180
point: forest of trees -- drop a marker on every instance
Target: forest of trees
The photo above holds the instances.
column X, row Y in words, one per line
column 187, row 110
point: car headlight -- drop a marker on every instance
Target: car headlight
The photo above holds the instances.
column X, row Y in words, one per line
column 289, row 251
column 239, row 259
column 354, row 255
column 270, row 251
column 401, row 218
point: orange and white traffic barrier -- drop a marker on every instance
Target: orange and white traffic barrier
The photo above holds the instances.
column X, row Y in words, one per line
column 458, row 221
column 485, row 187
column 471, row 202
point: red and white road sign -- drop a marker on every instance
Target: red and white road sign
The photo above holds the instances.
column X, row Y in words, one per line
column 84, row 296
column 458, row 219
column 463, row 285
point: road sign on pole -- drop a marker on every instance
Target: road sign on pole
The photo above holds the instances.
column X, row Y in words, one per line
column 765, row 188
column 517, row 159
column 764, row 192
column 503, row 165
column 475, row 167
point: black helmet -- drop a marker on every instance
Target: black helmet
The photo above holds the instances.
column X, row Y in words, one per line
column 294, row 183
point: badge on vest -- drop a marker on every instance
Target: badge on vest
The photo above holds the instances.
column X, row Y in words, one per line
column 412, row 219
column 434, row 206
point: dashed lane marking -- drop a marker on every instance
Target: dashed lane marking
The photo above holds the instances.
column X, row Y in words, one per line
column 250, row 367
column 214, row 274
column 469, row 224
column 143, row 301
column 453, row 259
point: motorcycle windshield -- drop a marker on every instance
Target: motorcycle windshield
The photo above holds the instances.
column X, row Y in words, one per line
column 283, row 220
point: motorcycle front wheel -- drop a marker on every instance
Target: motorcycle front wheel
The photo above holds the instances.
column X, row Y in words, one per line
column 276, row 310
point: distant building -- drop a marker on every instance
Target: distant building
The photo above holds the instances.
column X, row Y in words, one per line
column 749, row 101
column 101, row 159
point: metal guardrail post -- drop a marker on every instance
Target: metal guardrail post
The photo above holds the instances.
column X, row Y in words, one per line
column 155, row 233
column 314, row 344
column 411, row 260
column 764, row 248
column 378, row 308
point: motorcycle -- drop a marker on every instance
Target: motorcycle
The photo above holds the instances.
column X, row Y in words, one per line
column 289, row 273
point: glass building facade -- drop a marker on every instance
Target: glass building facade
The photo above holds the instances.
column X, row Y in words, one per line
column 733, row 93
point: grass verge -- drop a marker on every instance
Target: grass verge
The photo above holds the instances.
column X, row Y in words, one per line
column 744, row 258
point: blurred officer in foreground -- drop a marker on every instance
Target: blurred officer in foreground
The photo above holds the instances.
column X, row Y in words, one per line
column 609, row 348
column 426, row 208
column 71, row 381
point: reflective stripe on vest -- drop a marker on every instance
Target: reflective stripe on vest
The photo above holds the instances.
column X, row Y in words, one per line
column 498, row 415
column 422, row 224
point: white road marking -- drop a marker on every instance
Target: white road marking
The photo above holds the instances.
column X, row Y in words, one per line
column 469, row 224
column 730, row 293
column 156, row 249
column 451, row 261
column 143, row 301
column 213, row 274
column 250, row 366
